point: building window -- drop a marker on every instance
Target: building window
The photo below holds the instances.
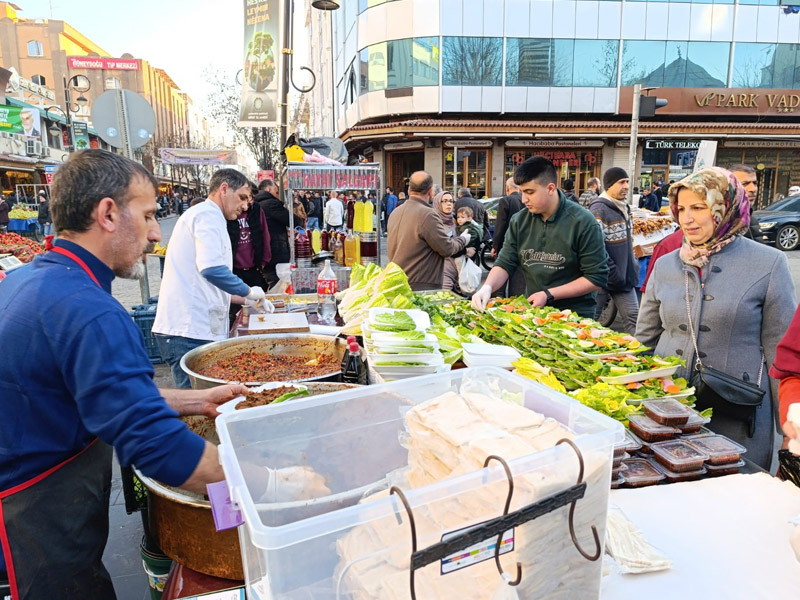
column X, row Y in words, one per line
column 399, row 64
column 561, row 63
column 113, row 83
column 472, row 61
column 35, row 48
column 766, row 66
column 39, row 80
column 675, row 64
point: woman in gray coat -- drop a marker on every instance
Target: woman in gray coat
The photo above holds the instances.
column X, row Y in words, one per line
column 740, row 297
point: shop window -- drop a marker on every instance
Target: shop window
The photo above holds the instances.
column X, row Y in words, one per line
column 472, row 61
column 35, row 48
column 470, row 170
column 707, row 64
column 577, row 165
column 39, row 80
column 399, row 64
column 561, row 63
column 113, row 83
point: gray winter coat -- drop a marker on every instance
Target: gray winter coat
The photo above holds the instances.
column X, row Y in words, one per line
column 744, row 301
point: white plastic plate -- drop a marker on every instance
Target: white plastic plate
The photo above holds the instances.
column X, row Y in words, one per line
column 641, row 376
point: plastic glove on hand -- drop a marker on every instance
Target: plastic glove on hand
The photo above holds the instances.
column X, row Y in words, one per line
column 465, row 235
column 255, row 297
column 481, row 298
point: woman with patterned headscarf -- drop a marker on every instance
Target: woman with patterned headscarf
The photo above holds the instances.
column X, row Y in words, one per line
column 738, row 293
column 443, row 204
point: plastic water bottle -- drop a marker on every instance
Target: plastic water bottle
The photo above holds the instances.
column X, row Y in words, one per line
column 326, row 288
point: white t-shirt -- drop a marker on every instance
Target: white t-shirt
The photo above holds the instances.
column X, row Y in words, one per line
column 188, row 304
column 334, row 212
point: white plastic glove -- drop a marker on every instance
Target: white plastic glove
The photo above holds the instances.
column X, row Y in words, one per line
column 481, row 298
column 465, row 235
column 258, row 299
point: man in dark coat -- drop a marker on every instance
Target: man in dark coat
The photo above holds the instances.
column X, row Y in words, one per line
column 277, row 216
column 479, row 213
column 508, row 206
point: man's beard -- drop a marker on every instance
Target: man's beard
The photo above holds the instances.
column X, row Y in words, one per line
column 122, row 246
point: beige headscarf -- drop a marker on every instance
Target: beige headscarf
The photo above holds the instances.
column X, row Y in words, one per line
column 448, row 220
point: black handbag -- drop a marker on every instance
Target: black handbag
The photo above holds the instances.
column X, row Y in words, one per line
column 725, row 394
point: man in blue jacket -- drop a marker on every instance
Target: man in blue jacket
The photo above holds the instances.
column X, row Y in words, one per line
column 614, row 215
column 80, row 382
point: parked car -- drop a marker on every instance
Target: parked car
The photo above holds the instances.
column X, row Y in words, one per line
column 491, row 209
column 779, row 223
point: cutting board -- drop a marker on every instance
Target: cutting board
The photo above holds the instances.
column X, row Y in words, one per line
column 279, row 323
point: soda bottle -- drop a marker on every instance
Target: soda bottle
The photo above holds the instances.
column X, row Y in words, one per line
column 355, row 371
column 326, row 288
column 350, row 340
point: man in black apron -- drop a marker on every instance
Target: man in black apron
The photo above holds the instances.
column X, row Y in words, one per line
column 79, row 382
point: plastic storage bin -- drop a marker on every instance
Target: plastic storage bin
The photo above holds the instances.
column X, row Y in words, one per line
column 144, row 315
column 293, row 550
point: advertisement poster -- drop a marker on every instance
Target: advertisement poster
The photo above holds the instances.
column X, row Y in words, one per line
column 262, row 63
column 21, row 120
column 706, row 155
column 81, row 133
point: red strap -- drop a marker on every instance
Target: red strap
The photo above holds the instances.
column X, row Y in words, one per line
column 78, row 260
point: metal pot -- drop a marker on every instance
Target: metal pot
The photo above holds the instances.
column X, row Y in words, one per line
column 181, row 521
column 305, row 345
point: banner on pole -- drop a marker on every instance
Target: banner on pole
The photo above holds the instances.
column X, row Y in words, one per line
column 261, row 75
column 27, row 121
column 193, row 156
column 81, row 133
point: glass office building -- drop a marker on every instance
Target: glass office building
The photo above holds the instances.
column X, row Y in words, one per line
column 467, row 89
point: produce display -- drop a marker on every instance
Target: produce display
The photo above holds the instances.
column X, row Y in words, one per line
column 372, row 287
column 258, row 366
column 22, row 213
column 23, row 248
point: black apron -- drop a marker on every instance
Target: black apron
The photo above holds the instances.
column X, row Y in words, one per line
column 54, row 527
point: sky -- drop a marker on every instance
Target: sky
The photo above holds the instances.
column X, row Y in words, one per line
column 183, row 37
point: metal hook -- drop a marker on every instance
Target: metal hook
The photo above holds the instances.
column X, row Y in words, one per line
column 396, row 490
column 598, row 549
column 518, row 578
column 236, row 77
column 309, row 88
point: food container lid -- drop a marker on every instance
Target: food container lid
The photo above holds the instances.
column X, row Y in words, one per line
column 695, row 419
column 647, row 424
column 702, row 432
column 639, row 470
column 675, row 475
column 630, row 444
column 667, row 408
column 716, row 445
column 734, row 465
column 678, row 452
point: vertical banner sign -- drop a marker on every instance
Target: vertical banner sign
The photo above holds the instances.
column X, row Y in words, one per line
column 706, row 155
column 81, row 133
column 263, row 59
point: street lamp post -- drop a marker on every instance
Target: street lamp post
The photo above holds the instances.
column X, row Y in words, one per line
column 80, row 84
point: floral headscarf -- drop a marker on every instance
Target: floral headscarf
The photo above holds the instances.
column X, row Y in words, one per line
column 729, row 206
column 448, row 220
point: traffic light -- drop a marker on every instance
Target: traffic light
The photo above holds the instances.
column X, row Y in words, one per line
column 648, row 105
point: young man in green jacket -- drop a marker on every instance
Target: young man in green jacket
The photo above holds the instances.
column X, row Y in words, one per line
column 558, row 245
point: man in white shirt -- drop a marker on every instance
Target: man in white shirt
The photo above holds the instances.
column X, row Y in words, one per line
column 198, row 284
column 334, row 213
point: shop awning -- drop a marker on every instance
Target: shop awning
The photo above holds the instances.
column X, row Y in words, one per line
column 53, row 115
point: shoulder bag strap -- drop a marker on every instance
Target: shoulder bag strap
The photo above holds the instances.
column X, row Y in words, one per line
column 698, row 364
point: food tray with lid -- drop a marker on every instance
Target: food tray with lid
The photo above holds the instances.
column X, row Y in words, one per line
column 694, row 424
column 679, row 456
column 719, row 449
column 727, row 469
column 352, row 439
column 667, row 412
column 650, row 431
column 671, row 476
column 630, row 445
column 641, row 473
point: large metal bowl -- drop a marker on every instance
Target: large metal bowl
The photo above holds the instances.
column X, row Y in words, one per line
column 305, row 345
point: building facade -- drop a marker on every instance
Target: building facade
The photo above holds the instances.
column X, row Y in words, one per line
column 467, row 89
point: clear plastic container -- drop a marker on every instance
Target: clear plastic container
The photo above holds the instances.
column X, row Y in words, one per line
column 694, row 424
column 728, row 469
column 630, row 445
column 720, row 450
column 617, row 470
column 618, row 458
column 666, row 412
column 641, row 473
column 671, row 476
column 679, row 456
column 702, row 432
column 294, row 550
column 650, row 431
column 618, row 481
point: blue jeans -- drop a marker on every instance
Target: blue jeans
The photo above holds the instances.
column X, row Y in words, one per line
column 172, row 348
column 312, row 223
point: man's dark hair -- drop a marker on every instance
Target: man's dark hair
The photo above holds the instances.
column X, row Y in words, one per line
column 264, row 184
column 390, row 188
column 538, row 169
column 462, row 192
column 85, row 179
column 742, row 169
column 420, row 185
column 253, row 188
column 235, row 179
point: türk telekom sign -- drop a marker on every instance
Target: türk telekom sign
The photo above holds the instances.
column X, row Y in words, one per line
column 99, row 62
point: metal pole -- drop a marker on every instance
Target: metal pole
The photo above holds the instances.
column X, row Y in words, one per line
column 69, row 116
column 632, row 173
column 287, row 70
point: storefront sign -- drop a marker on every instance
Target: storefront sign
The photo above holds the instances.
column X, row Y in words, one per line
column 266, row 174
column 101, row 62
column 670, row 145
column 16, row 82
column 403, row 145
column 462, row 144
column 720, row 101
column 322, row 178
column 554, row 144
column 80, row 132
column 262, row 63
column 195, row 156
column 759, row 144
column 560, row 158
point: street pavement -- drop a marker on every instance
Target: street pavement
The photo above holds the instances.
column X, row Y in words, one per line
column 125, row 531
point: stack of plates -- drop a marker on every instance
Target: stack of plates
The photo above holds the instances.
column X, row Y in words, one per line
column 394, row 356
column 489, row 355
